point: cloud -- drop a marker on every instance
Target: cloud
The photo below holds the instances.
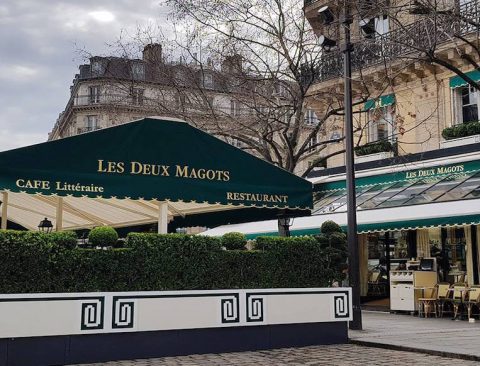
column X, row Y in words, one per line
column 42, row 43
column 102, row 16
column 17, row 73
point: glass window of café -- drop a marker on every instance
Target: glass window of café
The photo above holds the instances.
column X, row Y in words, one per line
column 455, row 249
column 385, row 251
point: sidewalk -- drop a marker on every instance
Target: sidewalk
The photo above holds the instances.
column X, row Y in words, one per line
column 443, row 337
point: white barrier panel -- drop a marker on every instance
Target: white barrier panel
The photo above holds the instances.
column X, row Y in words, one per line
column 32, row 315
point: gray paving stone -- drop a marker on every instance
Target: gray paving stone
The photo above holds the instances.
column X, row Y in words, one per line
column 343, row 355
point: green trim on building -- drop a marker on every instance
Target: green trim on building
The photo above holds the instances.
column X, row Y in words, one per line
column 418, row 224
column 403, row 176
column 383, row 101
column 458, row 81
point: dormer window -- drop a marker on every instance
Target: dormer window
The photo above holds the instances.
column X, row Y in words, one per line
column 138, row 71
column 98, row 68
column 207, row 80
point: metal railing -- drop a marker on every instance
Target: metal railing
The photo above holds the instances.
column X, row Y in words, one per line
column 114, row 99
column 408, row 41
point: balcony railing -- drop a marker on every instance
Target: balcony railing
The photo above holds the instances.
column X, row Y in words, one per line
column 113, row 99
column 409, row 41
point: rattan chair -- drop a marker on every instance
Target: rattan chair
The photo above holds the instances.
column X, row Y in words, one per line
column 374, row 286
column 443, row 293
column 473, row 299
column 458, row 298
column 428, row 304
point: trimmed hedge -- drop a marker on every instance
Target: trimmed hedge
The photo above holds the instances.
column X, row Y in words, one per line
column 104, row 236
column 35, row 262
column 374, row 148
column 461, row 130
column 234, row 241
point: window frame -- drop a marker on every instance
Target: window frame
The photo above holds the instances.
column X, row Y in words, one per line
column 457, row 105
column 91, row 126
column 372, row 125
column 94, row 93
column 137, row 95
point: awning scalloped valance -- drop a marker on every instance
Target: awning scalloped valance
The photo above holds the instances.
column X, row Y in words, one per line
column 458, row 81
column 383, row 101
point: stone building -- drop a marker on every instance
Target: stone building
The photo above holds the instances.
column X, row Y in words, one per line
column 113, row 90
column 401, row 96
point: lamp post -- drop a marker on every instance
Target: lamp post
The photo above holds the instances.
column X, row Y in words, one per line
column 353, row 265
column 284, row 224
column 353, row 261
column 45, row 225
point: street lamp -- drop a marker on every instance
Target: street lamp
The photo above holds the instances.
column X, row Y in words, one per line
column 45, row 225
column 285, row 223
column 353, row 265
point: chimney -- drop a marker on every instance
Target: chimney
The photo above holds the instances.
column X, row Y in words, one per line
column 152, row 53
column 232, row 64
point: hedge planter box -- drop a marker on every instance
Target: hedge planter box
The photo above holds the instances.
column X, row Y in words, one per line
column 372, row 157
column 460, row 141
column 69, row 328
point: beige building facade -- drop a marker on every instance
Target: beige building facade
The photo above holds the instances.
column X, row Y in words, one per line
column 401, row 94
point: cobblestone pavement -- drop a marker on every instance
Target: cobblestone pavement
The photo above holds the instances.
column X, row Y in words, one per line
column 338, row 355
column 440, row 335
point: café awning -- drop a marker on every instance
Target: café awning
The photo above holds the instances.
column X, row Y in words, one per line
column 119, row 176
column 402, row 199
column 439, row 214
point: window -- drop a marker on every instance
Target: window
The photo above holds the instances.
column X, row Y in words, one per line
column 137, row 96
column 381, row 25
column 98, row 68
column 94, row 94
column 466, row 104
column 380, row 124
column 138, row 71
column 281, row 90
column 311, row 143
column 234, row 108
column 208, row 80
column 310, row 117
column 91, row 123
column 375, row 27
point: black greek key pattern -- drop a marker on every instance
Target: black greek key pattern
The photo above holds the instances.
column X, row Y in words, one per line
column 92, row 314
column 341, row 306
column 255, row 309
column 123, row 313
column 230, row 309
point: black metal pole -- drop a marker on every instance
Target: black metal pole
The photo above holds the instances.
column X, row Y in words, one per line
column 353, row 265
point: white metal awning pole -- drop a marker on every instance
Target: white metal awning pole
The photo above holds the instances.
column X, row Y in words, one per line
column 163, row 218
column 4, row 209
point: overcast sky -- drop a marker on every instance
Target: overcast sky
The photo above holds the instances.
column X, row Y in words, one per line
column 40, row 50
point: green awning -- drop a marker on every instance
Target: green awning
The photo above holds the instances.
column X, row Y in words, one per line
column 152, row 159
column 441, row 214
column 458, row 81
column 383, row 101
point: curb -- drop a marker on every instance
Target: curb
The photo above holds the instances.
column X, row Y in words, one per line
column 461, row 356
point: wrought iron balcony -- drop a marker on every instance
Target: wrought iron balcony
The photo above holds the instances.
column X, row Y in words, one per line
column 112, row 99
column 409, row 41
